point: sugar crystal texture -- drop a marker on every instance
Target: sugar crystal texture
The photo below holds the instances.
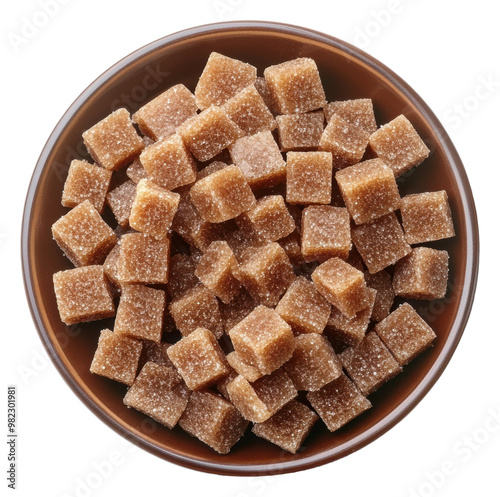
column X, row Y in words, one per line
column 291, row 246
column 83, row 235
column 358, row 112
column 136, row 171
column 157, row 353
column 405, row 333
column 120, row 201
column 398, row 144
column 181, row 277
column 249, row 372
column 110, row 265
column 382, row 283
column 238, row 309
column 338, row 402
column 300, row 131
column 261, row 86
column 113, row 142
column 213, row 167
column 242, row 240
column 116, row 357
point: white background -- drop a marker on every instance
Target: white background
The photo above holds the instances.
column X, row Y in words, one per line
column 448, row 51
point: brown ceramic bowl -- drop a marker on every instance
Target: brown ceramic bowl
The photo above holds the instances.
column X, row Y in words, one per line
column 346, row 73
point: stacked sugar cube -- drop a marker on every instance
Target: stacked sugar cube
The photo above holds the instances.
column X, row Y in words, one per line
column 265, row 225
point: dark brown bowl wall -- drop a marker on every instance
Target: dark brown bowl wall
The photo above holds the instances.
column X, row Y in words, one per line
column 346, row 73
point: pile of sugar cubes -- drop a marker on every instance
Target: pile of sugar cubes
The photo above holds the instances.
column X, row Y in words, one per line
column 256, row 254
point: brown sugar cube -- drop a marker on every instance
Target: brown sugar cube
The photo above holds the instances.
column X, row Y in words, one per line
column 143, row 259
column 303, row 307
column 338, row 402
column 263, row 339
column 213, row 420
column 381, row 242
column 140, row 313
column 325, row 233
column 295, row 86
column 209, row 133
column 153, row 209
column 370, row 363
column 313, row 364
column 182, row 277
column 351, row 330
column 422, row 274
column 169, row 164
column 291, row 246
column 86, row 182
column 405, row 333
column 110, row 265
column 426, row 217
column 199, row 359
column 263, row 398
column 266, row 272
column 222, row 195
column 116, row 357
column 382, row 283
column 289, row 427
column 221, row 79
column 260, row 159
column 197, row 308
column 308, row 177
column 369, row 190
column 157, row 393
column 161, row 116
column 136, row 171
column 83, row 236
column 249, row 372
column 215, row 271
column 237, row 310
column 300, row 131
column 120, row 201
column 342, row 285
column 269, row 220
column 399, row 145
column 346, row 142
column 83, row 294
column 249, row 111
column 113, row 142
column 358, row 112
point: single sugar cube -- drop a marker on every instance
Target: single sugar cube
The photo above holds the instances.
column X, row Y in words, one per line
column 120, row 201
column 113, row 142
column 222, row 195
column 237, row 310
column 289, row 427
column 209, row 133
column 213, row 420
column 169, row 163
column 325, row 233
column 249, row 111
column 136, row 171
column 370, row 363
column 303, row 307
column 382, row 283
column 369, row 190
column 296, row 86
column 426, row 217
column 83, row 236
column 263, row 339
column 182, row 276
column 338, row 402
column 116, row 357
column 313, row 364
column 249, row 372
column 266, row 272
column 258, row 401
column 160, row 117
column 342, row 285
column 358, row 112
column 153, row 209
column 259, row 158
column 197, row 308
column 199, row 359
column 215, row 271
column 86, row 182
column 140, row 313
column 300, row 131
column 222, row 78
column 346, row 142
column 157, row 393
column 381, row 242
column 422, row 274
column 405, row 333
column 83, row 294
column 399, row 145
column 309, row 177
column 143, row 259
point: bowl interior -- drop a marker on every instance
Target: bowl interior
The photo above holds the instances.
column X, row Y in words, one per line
column 346, row 73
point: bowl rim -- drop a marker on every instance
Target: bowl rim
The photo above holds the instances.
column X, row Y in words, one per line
column 463, row 311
